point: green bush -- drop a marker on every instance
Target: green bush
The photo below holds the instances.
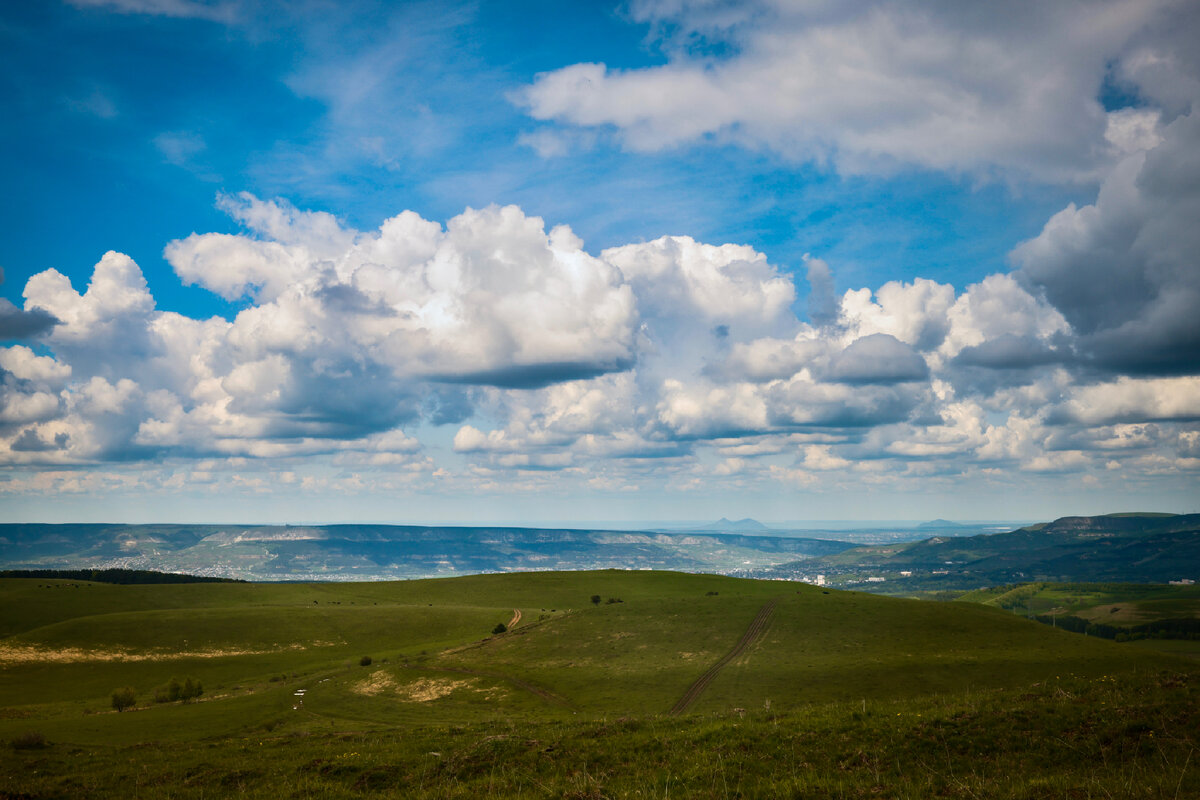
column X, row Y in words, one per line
column 123, row 698
column 500, row 628
column 168, row 693
column 190, row 690
column 30, row 740
column 365, row 661
column 174, row 690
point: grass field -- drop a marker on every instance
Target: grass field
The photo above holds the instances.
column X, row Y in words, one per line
column 1118, row 605
column 843, row 694
column 1111, row 603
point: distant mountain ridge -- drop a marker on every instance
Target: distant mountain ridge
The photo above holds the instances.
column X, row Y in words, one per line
column 1123, row 547
column 1138, row 548
column 724, row 524
column 1120, row 523
column 376, row 552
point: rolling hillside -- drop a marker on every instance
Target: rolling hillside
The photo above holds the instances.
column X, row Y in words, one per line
column 72, row 642
column 603, row 684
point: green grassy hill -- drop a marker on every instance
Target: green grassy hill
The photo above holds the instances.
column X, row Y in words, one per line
column 1117, row 603
column 281, row 666
column 70, row 643
column 1154, row 616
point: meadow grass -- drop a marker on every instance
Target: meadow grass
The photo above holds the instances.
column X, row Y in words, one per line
column 1136, row 602
column 1108, row 736
column 844, row 695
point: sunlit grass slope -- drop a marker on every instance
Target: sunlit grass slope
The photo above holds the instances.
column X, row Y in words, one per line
column 1111, row 603
column 435, row 660
column 819, row 646
column 841, row 695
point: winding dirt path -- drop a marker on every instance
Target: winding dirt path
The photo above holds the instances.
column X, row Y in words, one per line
column 758, row 626
column 512, row 623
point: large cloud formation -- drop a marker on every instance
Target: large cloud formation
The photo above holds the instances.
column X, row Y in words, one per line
column 344, row 338
column 670, row 360
column 1007, row 88
column 1124, row 270
column 491, row 353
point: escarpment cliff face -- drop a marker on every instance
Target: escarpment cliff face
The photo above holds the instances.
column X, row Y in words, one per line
column 1122, row 523
column 1137, row 548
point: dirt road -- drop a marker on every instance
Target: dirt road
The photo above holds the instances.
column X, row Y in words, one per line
column 758, row 626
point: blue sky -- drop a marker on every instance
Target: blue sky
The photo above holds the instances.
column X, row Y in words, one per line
column 920, row 260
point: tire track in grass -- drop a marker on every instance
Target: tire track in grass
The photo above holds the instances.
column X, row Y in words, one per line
column 758, row 626
column 516, row 617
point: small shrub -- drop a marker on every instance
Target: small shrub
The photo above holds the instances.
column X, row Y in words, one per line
column 612, row 600
column 123, row 698
column 365, row 661
column 186, row 691
column 30, row 740
column 190, row 690
column 596, row 599
column 500, row 628
column 168, row 693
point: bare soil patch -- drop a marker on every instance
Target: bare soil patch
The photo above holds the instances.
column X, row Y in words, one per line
column 24, row 654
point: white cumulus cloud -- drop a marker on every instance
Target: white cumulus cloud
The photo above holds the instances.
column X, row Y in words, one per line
column 874, row 85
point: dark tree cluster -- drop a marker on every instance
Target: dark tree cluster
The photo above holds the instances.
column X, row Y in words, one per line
column 175, row 690
column 119, row 576
column 1159, row 629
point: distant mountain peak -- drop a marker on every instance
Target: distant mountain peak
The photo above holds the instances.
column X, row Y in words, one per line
column 746, row 524
column 940, row 523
